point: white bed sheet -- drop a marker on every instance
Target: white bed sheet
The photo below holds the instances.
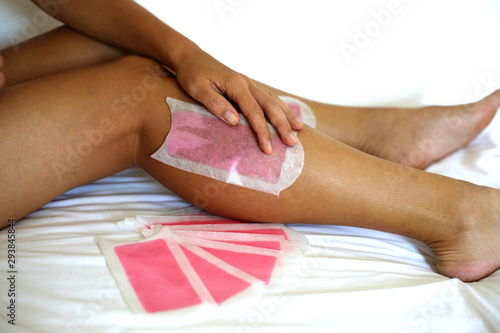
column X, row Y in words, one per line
column 351, row 280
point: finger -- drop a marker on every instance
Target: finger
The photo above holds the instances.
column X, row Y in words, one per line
column 275, row 113
column 241, row 95
column 295, row 122
column 217, row 104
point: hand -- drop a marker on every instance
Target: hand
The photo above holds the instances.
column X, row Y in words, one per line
column 210, row 82
column 2, row 76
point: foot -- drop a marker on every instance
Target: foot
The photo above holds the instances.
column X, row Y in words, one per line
column 419, row 137
column 472, row 252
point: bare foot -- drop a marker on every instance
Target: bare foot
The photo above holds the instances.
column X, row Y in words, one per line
column 472, row 251
column 419, row 137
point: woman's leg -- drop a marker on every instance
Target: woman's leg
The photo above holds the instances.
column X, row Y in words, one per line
column 343, row 186
column 412, row 137
column 56, row 51
column 86, row 124
column 69, row 129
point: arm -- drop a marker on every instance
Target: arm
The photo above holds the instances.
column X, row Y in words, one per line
column 203, row 77
column 2, row 77
column 115, row 22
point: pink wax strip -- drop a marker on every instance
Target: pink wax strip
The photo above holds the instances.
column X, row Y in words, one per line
column 293, row 240
column 201, row 222
column 295, row 108
column 264, row 244
column 150, row 221
column 257, row 265
column 219, row 283
column 248, row 228
column 277, row 232
column 209, row 141
column 156, row 277
column 272, row 242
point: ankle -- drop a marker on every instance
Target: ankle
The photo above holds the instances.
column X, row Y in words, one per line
column 469, row 251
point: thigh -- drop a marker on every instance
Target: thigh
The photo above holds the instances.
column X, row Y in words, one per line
column 70, row 129
column 56, row 51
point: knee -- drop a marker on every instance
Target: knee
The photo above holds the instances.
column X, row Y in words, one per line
column 137, row 87
column 145, row 85
column 136, row 61
column 141, row 75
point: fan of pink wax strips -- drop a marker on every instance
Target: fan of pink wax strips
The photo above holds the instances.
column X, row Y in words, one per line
column 197, row 259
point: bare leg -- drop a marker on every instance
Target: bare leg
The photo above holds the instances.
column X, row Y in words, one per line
column 56, row 51
column 342, row 186
column 74, row 128
column 59, row 138
column 413, row 137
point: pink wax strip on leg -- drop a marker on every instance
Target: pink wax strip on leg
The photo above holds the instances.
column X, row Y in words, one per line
column 189, row 140
column 219, row 283
column 200, row 143
column 295, row 108
column 157, row 279
column 301, row 110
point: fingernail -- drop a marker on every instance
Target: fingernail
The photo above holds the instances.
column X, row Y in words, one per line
column 230, row 118
column 292, row 138
column 269, row 147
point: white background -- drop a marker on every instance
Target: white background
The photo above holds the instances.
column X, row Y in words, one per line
column 426, row 52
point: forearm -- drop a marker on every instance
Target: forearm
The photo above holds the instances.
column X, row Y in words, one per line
column 124, row 24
